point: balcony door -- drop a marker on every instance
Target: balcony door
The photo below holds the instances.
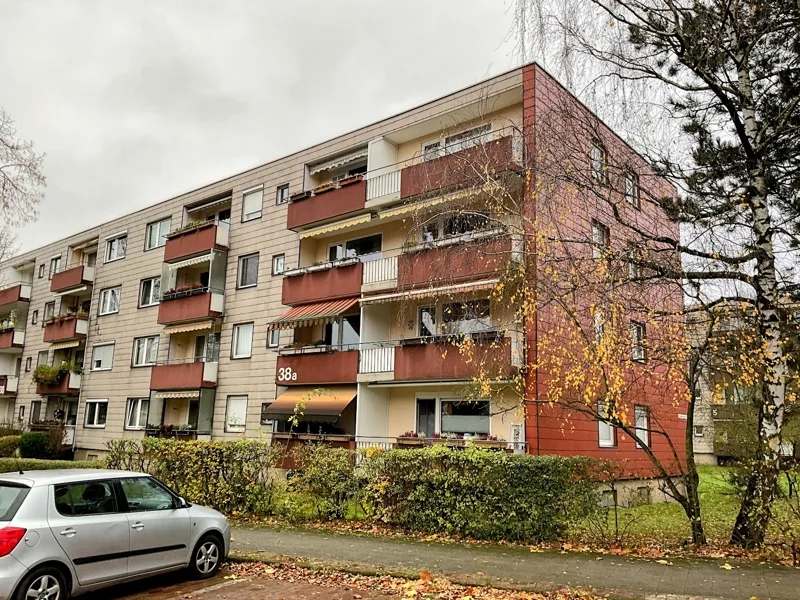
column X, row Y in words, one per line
column 426, row 416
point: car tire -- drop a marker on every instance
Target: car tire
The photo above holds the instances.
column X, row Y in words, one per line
column 42, row 579
column 206, row 557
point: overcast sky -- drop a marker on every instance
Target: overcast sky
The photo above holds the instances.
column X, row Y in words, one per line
column 137, row 101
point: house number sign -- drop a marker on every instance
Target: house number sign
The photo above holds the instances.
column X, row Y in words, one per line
column 287, row 374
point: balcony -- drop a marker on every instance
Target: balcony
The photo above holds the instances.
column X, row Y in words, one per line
column 317, row 365
column 184, row 374
column 8, row 385
column 379, row 275
column 328, row 281
column 69, row 385
column 12, row 339
column 197, row 239
column 461, row 168
column 190, row 305
column 454, row 260
column 17, row 293
column 441, row 361
column 327, row 203
column 71, row 277
column 65, row 328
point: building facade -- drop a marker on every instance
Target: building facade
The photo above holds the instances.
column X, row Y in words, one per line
column 332, row 292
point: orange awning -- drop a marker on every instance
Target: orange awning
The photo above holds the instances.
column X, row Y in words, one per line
column 311, row 314
column 311, row 404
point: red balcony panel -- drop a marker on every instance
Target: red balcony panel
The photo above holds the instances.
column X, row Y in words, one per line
column 445, row 361
column 458, row 168
column 330, row 284
column 186, row 308
column 66, row 328
column 181, row 376
column 70, row 278
column 5, row 388
column 198, row 240
column 7, row 340
column 453, row 264
column 317, row 368
column 70, row 385
column 12, row 295
column 330, row 204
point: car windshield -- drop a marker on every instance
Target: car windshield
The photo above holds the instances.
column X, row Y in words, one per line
column 11, row 496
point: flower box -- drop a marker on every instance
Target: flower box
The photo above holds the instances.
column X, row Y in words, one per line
column 300, row 196
column 350, row 180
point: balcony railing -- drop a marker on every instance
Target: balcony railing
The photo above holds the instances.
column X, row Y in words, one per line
column 16, row 293
column 63, row 328
column 327, row 202
column 11, row 338
column 190, row 305
column 442, row 359
column 69, row 385
column 315, row 365
column 72, row 276
column 184, row 374
column 381, row 271
column 328, row 281
column 8, row 385
column 376, row 359
column 383, row 188
column 196, row 239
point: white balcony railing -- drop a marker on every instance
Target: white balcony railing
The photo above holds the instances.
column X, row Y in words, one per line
column 377, row 360
column 386, row 184
column 383, row 269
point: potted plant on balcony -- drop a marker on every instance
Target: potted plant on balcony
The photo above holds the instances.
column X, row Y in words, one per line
column 297, row 196
column 49, row 376
column 325, row 187
column 489, row 441
column 410, row 439
column 351, row 180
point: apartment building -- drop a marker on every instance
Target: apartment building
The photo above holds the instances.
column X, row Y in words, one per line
column 329, row 292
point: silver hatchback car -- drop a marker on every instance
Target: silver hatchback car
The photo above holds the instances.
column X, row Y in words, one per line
column 65, row 532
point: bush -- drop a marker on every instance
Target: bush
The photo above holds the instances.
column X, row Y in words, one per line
column 328, row 479
column 49, row 376
column 35, row 444
column 7, row 429
column 13, row 465
column 8, row 445
column 479, row 493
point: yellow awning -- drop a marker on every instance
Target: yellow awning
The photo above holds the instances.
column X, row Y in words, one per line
column 197, row 260
column 320, row 404
column 471, row 286
column 338, row 161
column 180, row 394
column 65, row 345
column 425, row 204
column 325, row 229
column 186, row 327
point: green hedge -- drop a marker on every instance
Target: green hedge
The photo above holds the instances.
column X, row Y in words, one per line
column 12, row 465
column 8, row 445
column 35, row 444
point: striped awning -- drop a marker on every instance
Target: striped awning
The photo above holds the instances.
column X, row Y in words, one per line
column 471, row 286
column 339, row 225
column 77, row 290
column 324, row 405
column 175, row 395
column 65, row 345
column 338, row 161
column 197, row 260
column 311, row 314
column 186, row 327
column 422, row 205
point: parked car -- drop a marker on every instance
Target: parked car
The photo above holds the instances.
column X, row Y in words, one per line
column 66, row 532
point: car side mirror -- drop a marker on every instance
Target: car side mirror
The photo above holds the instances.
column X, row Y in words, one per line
column 182, row 503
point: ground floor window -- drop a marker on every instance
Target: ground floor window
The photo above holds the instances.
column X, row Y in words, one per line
column 453, row 416
column 138, row 411
column 96, row 411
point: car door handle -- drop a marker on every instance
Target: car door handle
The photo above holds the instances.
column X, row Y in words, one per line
column 69, row 532
column 137, row 526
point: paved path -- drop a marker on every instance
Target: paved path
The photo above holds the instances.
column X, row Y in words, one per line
column 624, row 576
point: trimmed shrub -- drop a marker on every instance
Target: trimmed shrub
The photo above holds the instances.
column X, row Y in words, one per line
column 8, row 445
column 328, row 478
column 35, row 444
column 13, row 465
column 7, row 429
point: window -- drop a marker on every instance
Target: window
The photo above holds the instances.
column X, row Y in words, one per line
column 699, row 431
column 597, row 161
column 465, row 416
column 35, row 317
column 251, row 205
column 145, row 351
column 87, row 498
column 274, row 338
column 599, row 326
column 11, row 497
column 278, row 264
column 457, row 142
column 632, row 189
column 638, row 341
column 137, row 414
column 49, row 311
column 266, row 419
column 368, row 248
column 96, row 411
column 345, row 333
column 149, row 292
column 465, row 223
column 156, row 234
column 41, row 358
column 642, row 416
column 41, row 271
column 236, row 414
column 282, row 194
column 36, row 411
column 102, row 357
column 248, row 270
column 464, row 318
column 430, row 231
column 427, row 321
column 28, row 364
column 601, row 239
column 55, row 265
column 109, row 300
column 243, row 340
column 426, row 416
column 634, row 268
column 606, row 433
column 116, row 248
column 144, row 494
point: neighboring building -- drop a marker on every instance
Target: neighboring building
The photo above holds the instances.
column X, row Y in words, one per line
column 215, row 313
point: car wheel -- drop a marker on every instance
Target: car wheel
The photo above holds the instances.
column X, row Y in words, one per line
column 206, row 558
column 46, row 583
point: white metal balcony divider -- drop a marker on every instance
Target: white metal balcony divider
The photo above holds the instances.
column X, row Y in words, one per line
column 383, row 185
column 377, row 360
column 383, row 269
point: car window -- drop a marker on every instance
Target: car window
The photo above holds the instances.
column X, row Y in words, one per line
column 11, row 497
column 144, row 494
column 85, row 498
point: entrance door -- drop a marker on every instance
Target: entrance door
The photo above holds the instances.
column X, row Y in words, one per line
column 426, row 416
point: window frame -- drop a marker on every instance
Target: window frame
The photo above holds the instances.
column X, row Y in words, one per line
column 250, row 192
column 110, row 241
column 240, row 272
column 430, row 309
column 39, row 362
column 602, row 408
column 702, row 432
column 276, row 257
column 642, row 433
column 95, row 425
column 598, row 176
column 235, row 428
column 634, row 199
column 133, row 355
column 54, row 260
column 109, row 482
column 41, row 270
column 173, row 505
column 129, row 405
column 440, row 147
column 600, row 249
column 273, row 343
column 235, row 339
column 45, row 317
column 28, row 364
column 103, row 345
column 634, row 268
column 638, row 342
column 148, row 228
column 35, row 317
column 141, row 285
column 100, row 302
column 278, row 197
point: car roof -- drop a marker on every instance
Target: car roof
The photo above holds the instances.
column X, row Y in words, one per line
column 54, row 476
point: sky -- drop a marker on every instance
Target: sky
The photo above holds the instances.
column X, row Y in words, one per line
column 136, row 102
